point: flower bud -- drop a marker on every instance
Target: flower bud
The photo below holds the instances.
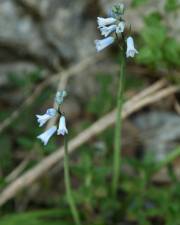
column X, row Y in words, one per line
column 118, row 10
column 60, row 95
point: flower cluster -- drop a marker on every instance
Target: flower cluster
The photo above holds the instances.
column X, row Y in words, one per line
column 50, row 113
column 114, row 26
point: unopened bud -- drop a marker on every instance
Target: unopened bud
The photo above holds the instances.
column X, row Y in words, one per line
column 118, row 10
column 60, row 95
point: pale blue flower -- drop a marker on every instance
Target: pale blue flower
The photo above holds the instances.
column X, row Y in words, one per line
column 131, row 51
column 120, row 27
column 105, row 31
column 101, row 44
column 42, row 119
column 62, row 126
column 44, row 137
column 105, row 21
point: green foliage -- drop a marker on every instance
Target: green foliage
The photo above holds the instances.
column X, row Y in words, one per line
column 138, row 198
column 153, row 36
column 172, row 5
column 136, row 3
column 103, row 101
column 5, row 153
column 158, row 49
column 46, row 217
column 24, row 81
column 25, row 142
column 172, row 52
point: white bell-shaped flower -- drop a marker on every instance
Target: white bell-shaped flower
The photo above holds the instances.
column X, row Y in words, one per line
column 42, row 119
column 62, row 126
column 131, row 51
column 105, row 31
column 44, row 137
column 120, row 27
column 101, row 44
column 105, row 21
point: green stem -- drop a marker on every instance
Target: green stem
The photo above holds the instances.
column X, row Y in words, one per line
column 68, row 185
column 118, row 127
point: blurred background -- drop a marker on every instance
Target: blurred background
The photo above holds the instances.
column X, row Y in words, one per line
column 48, row 45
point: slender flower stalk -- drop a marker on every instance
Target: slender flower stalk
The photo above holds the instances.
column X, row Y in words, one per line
column 115, row 27
column 118, row 127
column 70, row 199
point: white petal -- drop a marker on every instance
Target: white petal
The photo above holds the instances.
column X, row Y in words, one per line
column 131, row 51
column 101, row 44
column 42, row 119
column 44, row 137
column 130, row 42
column 105, row 21
column 120, row 27
column 105, row 31
column 62, row 126
column 51, row 112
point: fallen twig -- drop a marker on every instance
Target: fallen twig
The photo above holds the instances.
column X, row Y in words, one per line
column 150, row 90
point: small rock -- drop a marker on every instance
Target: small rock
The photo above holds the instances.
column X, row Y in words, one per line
column 159, row 131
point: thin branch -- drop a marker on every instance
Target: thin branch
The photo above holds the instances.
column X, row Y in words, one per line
column 150, row 90
column 102, row 124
